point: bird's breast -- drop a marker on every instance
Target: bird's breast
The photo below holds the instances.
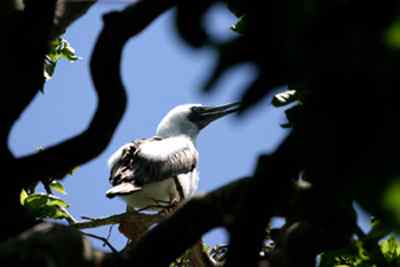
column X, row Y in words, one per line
column 164, row 191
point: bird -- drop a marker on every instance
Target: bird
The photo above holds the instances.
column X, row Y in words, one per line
column 163, row 168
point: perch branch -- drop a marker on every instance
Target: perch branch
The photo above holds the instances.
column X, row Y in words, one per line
column 115, row 219
column 185, row 227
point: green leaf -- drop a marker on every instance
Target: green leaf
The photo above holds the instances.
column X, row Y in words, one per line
column 58, row 187
column 59, row 49
column 60, row 214
column 391, row 199
column 390, row 249
column 46, row 206
column 336, row 258
column 66, row 51
column 285, row 98
column 392, row 35
column 353, row 256
column 35, row 201
column 22, row 197
column 53, row 201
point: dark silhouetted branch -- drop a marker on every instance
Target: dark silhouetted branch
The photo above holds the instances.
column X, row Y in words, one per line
column 49, row 245
column 269, row 196
column 184, row 228
column 68, row 12
column 27, row 35
column 105, row 70
column 103, row 239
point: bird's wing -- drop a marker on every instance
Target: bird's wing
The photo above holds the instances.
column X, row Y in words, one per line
column 151, row 160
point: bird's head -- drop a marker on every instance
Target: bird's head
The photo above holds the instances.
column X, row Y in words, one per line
column 189, row 119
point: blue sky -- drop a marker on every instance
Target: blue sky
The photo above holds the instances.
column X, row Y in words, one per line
column 159, row 72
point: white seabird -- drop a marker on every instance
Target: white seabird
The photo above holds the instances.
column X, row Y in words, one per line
column 163, row 168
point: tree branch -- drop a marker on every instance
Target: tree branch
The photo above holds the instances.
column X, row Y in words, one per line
column 185, row 227
column 268, row 195
column 27, row 34
column 49, row 245
column 117, row 218
column 105, row 70
column 67, row 13
column 103, row 239
column 26, row 46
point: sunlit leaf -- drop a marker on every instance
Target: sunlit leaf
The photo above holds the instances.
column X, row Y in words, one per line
column 59, row 49
column 336, row 258
column 57, row 186
column 22, row 196
column 52, row 201
column 391, row 249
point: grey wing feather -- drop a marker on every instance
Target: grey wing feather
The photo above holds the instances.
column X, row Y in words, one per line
column 150, row 160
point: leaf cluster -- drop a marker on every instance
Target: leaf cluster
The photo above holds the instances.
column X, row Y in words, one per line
column 46, row 205
column 357, row 255
column 59, row 49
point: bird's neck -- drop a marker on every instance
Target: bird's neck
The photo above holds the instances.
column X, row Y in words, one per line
column 192, row 138
column 166, row 132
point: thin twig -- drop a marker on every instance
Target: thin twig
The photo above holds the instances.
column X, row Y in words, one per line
column 71, row 219
column 115, row 219
column 87, row 218
column 109, row 232
column 105, row 241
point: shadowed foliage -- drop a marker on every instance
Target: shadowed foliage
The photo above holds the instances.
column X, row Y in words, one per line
column 340, row 61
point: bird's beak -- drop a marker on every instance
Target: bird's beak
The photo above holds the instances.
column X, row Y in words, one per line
column 206, row 115
column 122, row 189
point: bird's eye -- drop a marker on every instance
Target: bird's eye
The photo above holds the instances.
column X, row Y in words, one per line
column 194, row 113
column 196, row 109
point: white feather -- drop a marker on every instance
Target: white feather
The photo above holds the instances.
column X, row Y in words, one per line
column 176, row 123
column 162, row 149
column 116, row 155
column 177, row 132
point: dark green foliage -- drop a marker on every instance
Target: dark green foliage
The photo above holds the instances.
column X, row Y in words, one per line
column 357, row 256
column 342, row 57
